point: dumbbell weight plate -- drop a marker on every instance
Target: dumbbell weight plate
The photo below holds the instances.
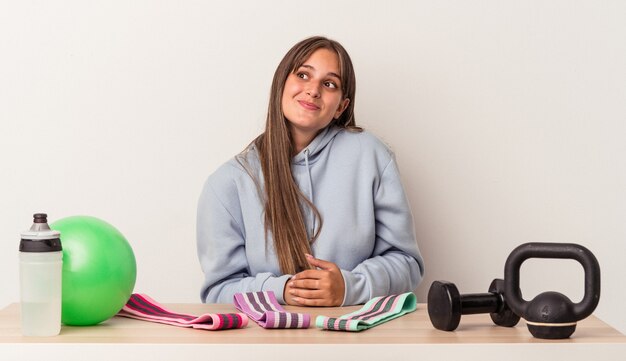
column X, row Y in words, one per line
column 444, row 306
column 504, row 316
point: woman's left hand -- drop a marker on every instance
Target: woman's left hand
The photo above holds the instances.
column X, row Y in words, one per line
column 321, row 286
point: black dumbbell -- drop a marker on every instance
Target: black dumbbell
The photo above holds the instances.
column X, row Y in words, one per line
column 446, row 305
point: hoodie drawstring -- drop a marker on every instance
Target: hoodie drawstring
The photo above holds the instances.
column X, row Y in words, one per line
column 311, row 215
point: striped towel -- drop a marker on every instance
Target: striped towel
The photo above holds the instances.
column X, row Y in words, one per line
column 376, row 311
column 263, row 309
column 144, row 308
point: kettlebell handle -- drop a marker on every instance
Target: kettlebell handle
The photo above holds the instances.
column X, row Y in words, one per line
column 553, row 250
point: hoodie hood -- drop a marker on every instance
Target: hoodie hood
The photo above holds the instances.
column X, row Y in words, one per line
column 311, row 153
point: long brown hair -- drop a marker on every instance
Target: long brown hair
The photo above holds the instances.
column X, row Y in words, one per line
column 284, row 217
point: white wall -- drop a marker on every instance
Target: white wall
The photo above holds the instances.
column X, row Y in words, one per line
column 507, row 118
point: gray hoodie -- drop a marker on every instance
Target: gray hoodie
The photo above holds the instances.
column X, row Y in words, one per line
column 353, row 180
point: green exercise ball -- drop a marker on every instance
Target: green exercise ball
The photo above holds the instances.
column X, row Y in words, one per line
column 99, row 270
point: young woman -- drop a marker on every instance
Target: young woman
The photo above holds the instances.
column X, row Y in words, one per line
column 313, row 209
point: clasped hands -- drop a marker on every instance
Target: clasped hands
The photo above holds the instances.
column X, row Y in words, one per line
column 321, row 286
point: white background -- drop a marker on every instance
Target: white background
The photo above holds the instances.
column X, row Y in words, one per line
column 507, row 119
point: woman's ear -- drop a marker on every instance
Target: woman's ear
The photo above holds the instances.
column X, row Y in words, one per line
column 342, row 106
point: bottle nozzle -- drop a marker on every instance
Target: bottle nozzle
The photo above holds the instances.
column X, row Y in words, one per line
column 40, row 222
column 40, row 218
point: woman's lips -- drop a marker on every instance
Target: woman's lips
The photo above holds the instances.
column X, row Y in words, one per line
column 307, row 105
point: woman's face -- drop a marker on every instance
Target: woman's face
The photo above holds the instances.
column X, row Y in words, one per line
column 312, row 96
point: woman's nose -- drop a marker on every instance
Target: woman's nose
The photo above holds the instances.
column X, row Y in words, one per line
column 313, row 90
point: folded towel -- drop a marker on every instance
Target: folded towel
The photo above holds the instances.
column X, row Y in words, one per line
column 376, row 311
column 264, row 309
column 142, row 307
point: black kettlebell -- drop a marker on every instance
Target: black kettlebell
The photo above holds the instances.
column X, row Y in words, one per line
column 552, row 315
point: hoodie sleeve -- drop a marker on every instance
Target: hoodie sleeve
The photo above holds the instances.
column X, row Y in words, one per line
column 396, row 265
column 222, row 251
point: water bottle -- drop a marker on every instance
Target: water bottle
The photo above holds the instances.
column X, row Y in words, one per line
column 41, row 266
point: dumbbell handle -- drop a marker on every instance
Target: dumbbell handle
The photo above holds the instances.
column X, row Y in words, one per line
column 473, row 303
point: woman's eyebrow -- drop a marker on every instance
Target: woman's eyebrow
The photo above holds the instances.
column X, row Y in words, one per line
column 333, row 74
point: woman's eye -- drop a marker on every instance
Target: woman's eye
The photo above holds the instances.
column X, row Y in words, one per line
column 330, row 84
column 302, row 75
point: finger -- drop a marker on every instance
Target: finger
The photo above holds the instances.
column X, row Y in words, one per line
column 306, row 294
column 316, row 262
column 310, row 274
column 293, row 301
column 311, row 284
column 316, row 302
